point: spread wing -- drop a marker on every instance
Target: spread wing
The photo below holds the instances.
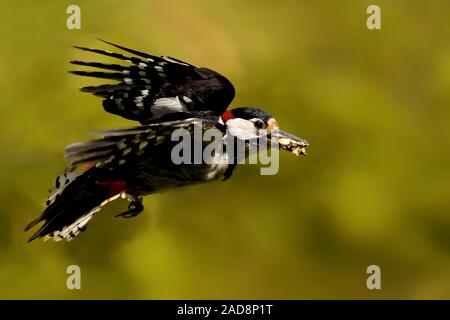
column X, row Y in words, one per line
column 120, row 147
column 148, row 87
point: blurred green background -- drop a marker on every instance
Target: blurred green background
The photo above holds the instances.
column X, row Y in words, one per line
column 373, row 190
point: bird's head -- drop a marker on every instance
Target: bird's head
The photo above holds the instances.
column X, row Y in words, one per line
column 252, row 123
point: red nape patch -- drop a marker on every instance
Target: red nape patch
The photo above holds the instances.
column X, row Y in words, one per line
column 227, row 115
column 114, row 186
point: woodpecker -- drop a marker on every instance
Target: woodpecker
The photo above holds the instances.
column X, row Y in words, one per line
column 163, row 94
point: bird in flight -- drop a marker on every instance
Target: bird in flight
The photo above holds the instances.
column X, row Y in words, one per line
column 163, row 94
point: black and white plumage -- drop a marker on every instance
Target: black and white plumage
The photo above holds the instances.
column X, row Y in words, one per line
column 150, row 86
column 164, row 94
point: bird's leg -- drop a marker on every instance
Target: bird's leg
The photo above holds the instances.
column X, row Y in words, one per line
column 134, row 208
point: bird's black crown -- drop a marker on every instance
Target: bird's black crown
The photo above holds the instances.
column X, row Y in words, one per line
column 250, row 113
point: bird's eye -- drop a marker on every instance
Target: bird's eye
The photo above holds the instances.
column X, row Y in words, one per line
column 258, row 123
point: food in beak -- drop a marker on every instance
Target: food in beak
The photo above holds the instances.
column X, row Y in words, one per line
column 293, row 146
column 289, row 142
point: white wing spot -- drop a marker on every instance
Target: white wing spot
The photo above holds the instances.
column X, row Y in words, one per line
column 137, row 139
column 163, row 106
column 160, row 140
column 174, row 61
column 143, row 144
column 187, row 99
column 139, row 103
column 121, row 145
column 126, row 151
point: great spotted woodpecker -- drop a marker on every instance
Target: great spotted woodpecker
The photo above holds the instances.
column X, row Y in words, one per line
column 163, row 94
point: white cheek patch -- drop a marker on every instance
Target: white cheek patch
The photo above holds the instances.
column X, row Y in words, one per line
column 243, row 129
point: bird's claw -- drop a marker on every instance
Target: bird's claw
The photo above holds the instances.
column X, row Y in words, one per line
column 134, row 208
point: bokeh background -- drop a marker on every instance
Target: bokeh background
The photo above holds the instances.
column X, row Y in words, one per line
column 373, row 190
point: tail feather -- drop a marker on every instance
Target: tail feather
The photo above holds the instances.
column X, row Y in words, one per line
column 72, row 206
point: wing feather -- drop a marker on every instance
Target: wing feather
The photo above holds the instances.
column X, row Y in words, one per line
column 118, row 146
column 151, row 86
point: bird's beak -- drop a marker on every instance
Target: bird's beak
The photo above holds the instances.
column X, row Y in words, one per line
column 289, row 142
